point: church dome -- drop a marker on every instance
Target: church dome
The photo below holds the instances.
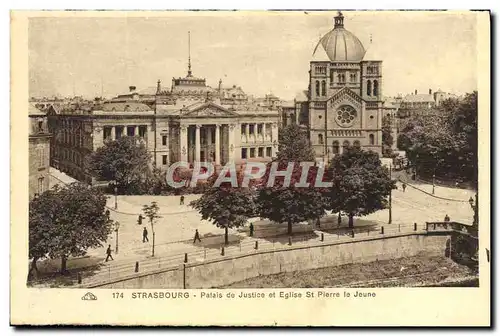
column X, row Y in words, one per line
column 340, row 44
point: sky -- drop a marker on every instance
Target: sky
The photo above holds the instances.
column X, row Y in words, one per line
column 262, row 52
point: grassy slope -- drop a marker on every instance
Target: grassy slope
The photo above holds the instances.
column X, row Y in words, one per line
column 420, row 270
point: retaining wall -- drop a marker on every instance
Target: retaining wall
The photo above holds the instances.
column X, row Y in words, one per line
column 227, row 270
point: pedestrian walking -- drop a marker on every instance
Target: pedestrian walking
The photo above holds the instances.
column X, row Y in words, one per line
column 446, row 218
column 107, row 214
column 139, row 220
column 404, row 187
column 251, row 229
column 145, row 235
column 182, row 200
column 196, row 237
column 108, row 253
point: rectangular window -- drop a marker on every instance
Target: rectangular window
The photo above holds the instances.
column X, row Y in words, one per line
column 268, row 151
column 164, row 160
column 164, row 140
column 261, row 152
column 40, row 185
column 243, row 153
column 259, row 129
column 130, row 130
column 107, row 133
column 251, row 129
column 142, row 131
column 252, row 152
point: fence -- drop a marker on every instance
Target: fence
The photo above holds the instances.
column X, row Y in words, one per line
column 152, row 264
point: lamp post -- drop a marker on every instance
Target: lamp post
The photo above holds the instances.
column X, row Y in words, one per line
column 390, row 196
column 474, row 204
column 433, row 182
column 116, row 197
column 117, row 227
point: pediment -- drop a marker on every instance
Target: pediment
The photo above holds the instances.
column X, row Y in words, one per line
column 208, row 110
column 345, row 95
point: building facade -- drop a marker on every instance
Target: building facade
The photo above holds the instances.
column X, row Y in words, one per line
column 39, row 152
column 189, row 122
column 345, row 95
column 422, row 103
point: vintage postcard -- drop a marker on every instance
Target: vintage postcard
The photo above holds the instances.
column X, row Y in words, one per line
column 250, row 168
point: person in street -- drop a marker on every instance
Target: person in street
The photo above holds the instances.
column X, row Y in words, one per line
column 196, row 237
column 182, row 199
column 404, row 187
column 145, row 235
column 108, row 253
column 139, row 220
column 107, row 214
column 251, row 229
column 446, row 218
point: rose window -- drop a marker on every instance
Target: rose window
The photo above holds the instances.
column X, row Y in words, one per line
column 346, row 115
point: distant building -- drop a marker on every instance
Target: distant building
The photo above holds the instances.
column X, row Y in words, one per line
column 39, row 151
column 422, row 103
column 190, row 121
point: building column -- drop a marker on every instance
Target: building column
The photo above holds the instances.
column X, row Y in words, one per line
column 231, row 144
column 197, row 144
column 217, row 144
column 255, row 133
column 264, row 131
column 274, row 138
column 247, row 130
column 184, row 143
column 136, row 130
column 113, row 133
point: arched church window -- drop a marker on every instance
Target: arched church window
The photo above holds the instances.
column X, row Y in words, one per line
column 375, row 88
column 317, row 88
column 357, row 144
column 345, row 146
column 323, row 88
column 335, row 147
column 369, row 88
column 372, row 139
column 320, row 139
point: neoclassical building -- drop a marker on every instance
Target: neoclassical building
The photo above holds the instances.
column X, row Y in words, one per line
column 39, row 151
column 344, row 101
column 190, row 121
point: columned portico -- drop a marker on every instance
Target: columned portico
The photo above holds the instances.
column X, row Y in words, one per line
column 197, row 144
column 217, row 144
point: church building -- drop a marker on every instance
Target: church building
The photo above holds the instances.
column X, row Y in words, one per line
column 344, row 99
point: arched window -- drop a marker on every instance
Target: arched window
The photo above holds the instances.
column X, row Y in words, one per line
column 320, row 139
column 317, row 88
column 345, row 146
column 375, row 88
column 372, row 139
column 335, row 147
column 357, row 144
column 323, row 88
column 369, row 88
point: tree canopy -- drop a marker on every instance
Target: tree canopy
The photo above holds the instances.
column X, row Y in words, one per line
column 444, row 143
column 124, row 160
column 360, row 183
column 293, row 145
column 67, row 221
column 387, row 139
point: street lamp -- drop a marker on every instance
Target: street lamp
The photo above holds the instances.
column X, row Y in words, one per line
column 117, row 227
column 474, row 204
column 116, row 197
column 433, row 182
column 390, row 196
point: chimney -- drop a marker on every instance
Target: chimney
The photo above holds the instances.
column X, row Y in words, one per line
column 430, row 91
column 131, row 88
column 416, row 91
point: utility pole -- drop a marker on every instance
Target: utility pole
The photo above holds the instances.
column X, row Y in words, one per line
column 390, row 196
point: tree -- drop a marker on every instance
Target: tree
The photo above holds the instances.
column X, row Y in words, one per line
column 152, row 213
column 124, row 160
column 289, row 203
column 226, row 206
column 360, row 183
column 387, row 139
column 67, row 221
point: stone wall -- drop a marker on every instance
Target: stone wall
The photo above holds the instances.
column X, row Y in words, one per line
column 228, row 270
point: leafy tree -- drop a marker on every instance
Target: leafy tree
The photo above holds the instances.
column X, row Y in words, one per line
column 360, row 183
column 125, row 160
column 293, row 145
column 67, row 221
column 289, row 203
column 387, row 139
column 152, row 213
column 226, row 206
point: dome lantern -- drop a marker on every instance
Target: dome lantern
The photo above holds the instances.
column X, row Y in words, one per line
column 338, row 21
